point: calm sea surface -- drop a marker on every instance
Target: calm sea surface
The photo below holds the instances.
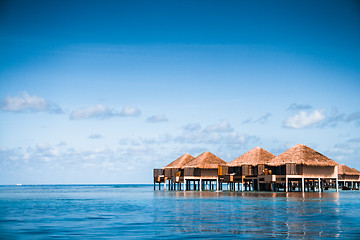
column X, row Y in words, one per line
column 136, row 211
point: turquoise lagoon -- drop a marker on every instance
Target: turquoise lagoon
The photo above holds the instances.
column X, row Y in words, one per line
column 137, row 211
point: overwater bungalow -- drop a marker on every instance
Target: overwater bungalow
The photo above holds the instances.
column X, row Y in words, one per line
column 173, row 173
column 202, row 172
column 159, row 177
column 244, row 171
column 349, row 178
column 301, row 168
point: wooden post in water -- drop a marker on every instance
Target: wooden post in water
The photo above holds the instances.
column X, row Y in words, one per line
column 337, row 184
column 302, row 185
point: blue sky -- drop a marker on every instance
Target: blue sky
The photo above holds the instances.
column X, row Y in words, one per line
column 105, row 91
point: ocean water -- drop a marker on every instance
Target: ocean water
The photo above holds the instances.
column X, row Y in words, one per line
column 137, row 211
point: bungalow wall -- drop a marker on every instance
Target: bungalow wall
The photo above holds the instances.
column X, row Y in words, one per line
column 286, row 169
column 208, row 172
column 200, row 172
column 158, row 175
column 158, row 172
column 168, row 172
column 278, row 170
column 248, row 170
column 315, row 171
column 349, row 177
column 260, row 169
column 175, row 172
column 192, row 172
column 294, row 169
column 171, row 172
column 236, row 170
column 223, row 170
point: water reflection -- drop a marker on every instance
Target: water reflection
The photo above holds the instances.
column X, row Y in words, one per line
column 255, row 214
column 301, row 196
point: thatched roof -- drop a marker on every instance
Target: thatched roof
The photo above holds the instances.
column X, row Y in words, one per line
column 181, row 161
column 345, row 170
column 302, row 154
column 205, row 160
column 253, row 157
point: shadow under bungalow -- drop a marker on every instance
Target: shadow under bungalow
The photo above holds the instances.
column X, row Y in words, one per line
column 299, row 169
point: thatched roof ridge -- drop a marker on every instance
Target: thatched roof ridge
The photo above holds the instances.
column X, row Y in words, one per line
column 253, row 157
column 181, row 161
column 345, row 170
column 205, row 160
column 302, row 154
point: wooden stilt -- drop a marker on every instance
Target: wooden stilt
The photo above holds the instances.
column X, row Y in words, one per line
column 302, row 185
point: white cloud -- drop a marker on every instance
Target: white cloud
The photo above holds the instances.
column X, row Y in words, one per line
column 100, row 111
column 335, row 117
column 303, row 119
column 157, row 118
column 97, row 111
column 223, row 126
column 130, row 111
column 27, row 103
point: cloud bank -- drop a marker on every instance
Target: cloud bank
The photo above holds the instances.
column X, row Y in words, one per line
column 130, row 111
column 100, row 111
column 321, row 118
column 28, row 103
